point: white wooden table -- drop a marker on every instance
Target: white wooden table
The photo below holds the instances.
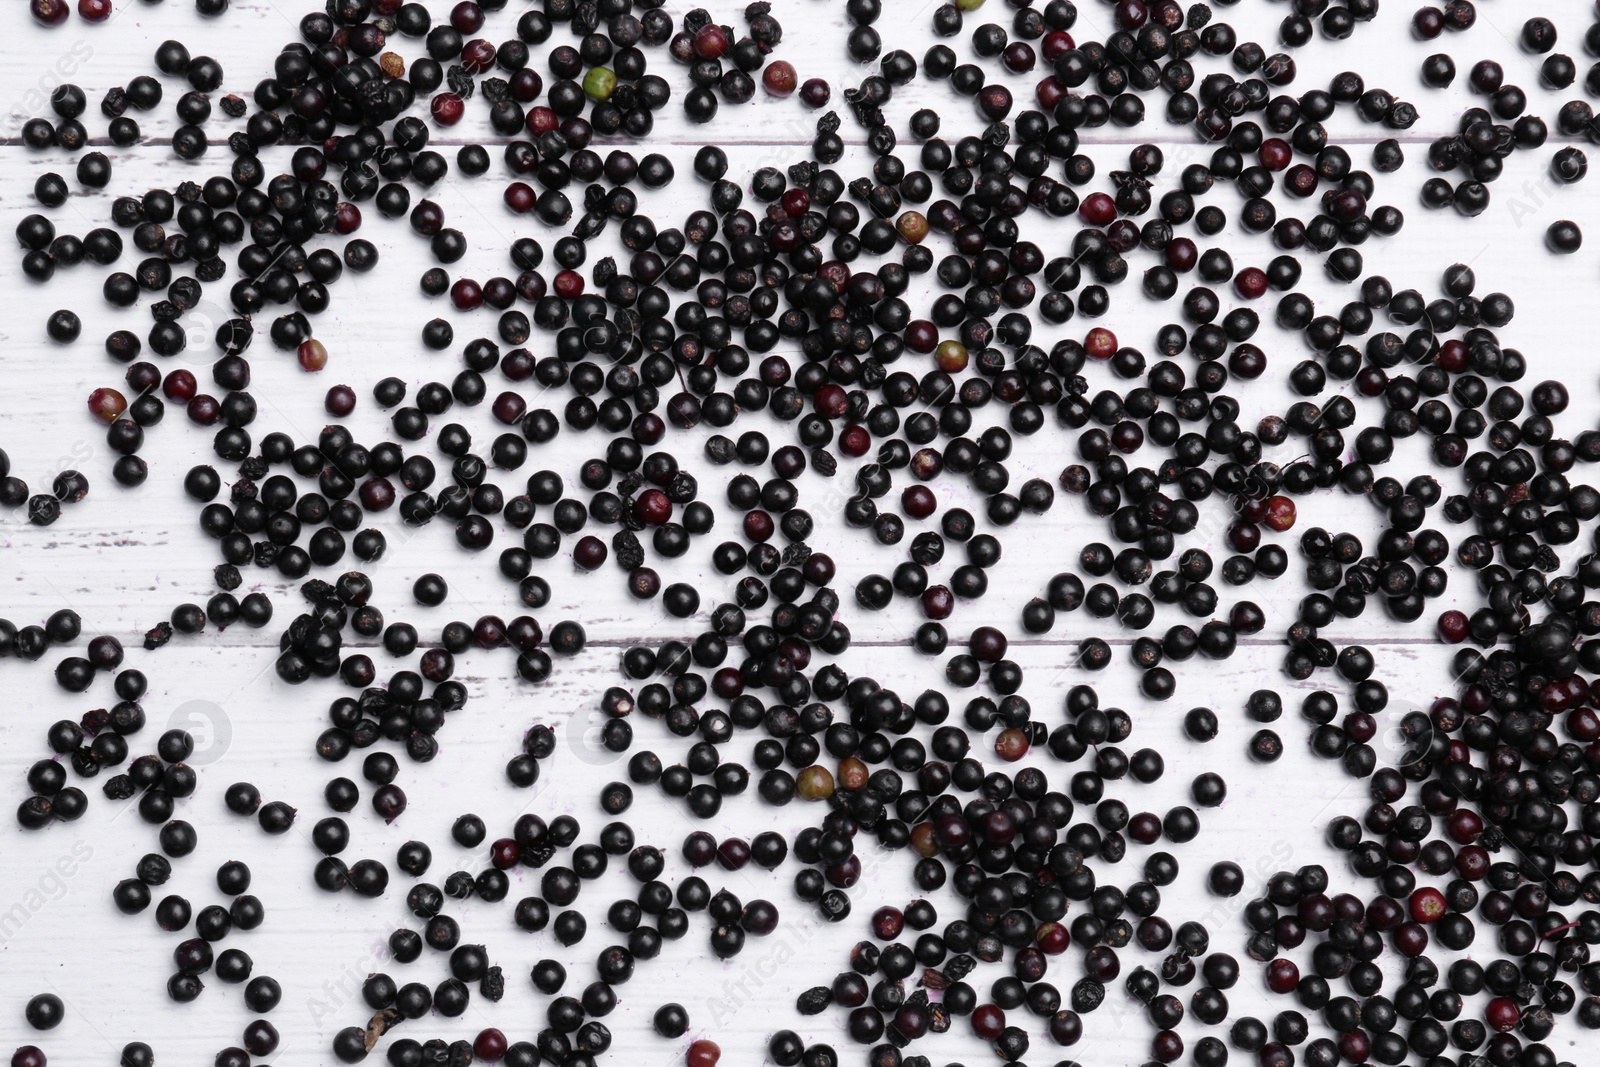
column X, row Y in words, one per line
column 123, row 559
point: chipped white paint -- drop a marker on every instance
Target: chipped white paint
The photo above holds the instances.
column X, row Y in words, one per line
column 123, row 559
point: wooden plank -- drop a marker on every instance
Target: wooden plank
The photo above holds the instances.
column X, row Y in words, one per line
column 123, row 559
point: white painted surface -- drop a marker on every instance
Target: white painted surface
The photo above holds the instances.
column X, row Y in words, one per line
column 123, row 559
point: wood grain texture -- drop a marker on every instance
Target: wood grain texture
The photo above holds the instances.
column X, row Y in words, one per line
column 123, row 559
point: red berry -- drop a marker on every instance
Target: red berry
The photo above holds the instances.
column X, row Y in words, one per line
column 987, row 1021
column 922, row 336
column 107, row 405
column 1019, row 57
column 1463, row 826
column 951, row 356
column 541, row 120
column 711, row 41
column 1355, row 1046
column 466, row 17
column 918, row 501
column 1347, row 205
column 987, row 644
column 652, row 507
column 1453, row 355
column 466, row 295
column 490, row 1044
column 568, row 284
column 1502, row 1014
column 815, row 92
column 1131, row 14
column 346, row 218
column 477, row 56
column 1280, row 513
column 180, row 385
column 795, row 202
column 1453, row 627
column 508, row 408
column 1410, row 939
column 831, row 401
column 1011, row 745
column 526, row 85
column 1098, row 209
column 1056, row 42
column 520, row 197
column 702, row 1053
column 1583, row 725
column 759, row 527
column 1052, row 939
column 1428, row 905
column 1275, row 153
column 203, row 409
column 1182, row 255
column 1250, row 283
column 313, row 356
column 995, row 102
column 779, row 78
column 340, row 401
column 49, row 12
column 447, row 109
column 1100, row 343
column 855, row 441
